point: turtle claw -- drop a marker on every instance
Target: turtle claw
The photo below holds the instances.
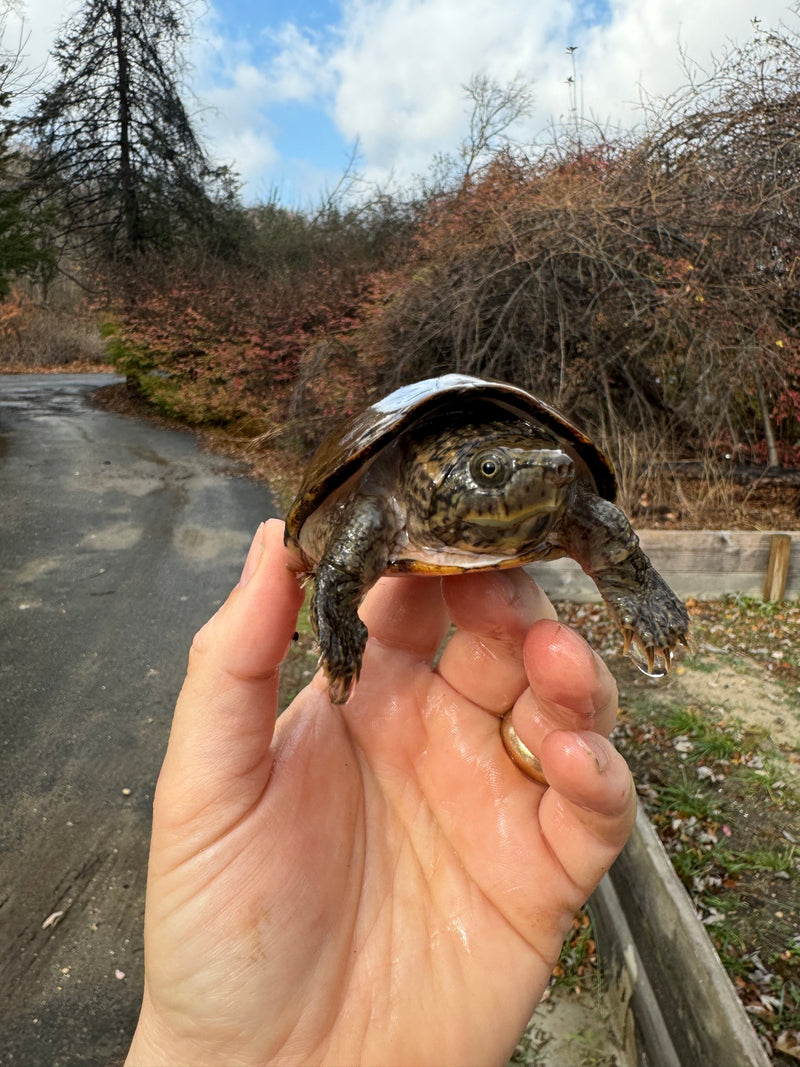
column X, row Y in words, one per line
column 653, row 622
column 342, row 668
column 652, row 658
column 340, row 688
column 651, row 661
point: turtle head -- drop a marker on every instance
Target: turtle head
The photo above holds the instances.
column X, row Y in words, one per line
column 499, row 487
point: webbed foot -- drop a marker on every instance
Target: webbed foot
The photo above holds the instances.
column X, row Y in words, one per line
column 653, row 622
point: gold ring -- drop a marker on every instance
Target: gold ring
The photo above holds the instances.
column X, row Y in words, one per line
column 520, row 754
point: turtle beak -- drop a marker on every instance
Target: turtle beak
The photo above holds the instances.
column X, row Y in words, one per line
column 553, row 467
column 538, row 486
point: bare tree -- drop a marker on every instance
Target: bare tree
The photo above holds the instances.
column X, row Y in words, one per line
column 23, row 247
column 729, row 139
column 495, row 109
column 114, row 144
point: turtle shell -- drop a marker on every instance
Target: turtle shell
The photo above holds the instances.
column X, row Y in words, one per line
column 362, row 436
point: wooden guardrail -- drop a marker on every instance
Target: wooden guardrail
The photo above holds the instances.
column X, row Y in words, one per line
column 673, row 1002
column 706, row 564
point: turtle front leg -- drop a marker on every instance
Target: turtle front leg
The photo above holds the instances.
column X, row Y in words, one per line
column 598, row 535
column 340, row 634
column 356, row 557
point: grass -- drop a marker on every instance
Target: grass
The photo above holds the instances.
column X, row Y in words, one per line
column 708, row 742
column 714, row 751
column 577, row 968
column 722, row 804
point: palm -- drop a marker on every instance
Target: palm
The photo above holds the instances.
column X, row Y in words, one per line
column 380, row 881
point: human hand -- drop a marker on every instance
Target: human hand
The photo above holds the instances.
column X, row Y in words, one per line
column 375, row 882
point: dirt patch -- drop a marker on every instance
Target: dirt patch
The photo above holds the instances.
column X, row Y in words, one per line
column 571, row 1031
column 743, row 663
column 763, row 706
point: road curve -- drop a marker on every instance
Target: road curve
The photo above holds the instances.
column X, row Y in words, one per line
column 117, row 541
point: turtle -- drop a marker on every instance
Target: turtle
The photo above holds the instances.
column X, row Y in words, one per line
column 457, row 473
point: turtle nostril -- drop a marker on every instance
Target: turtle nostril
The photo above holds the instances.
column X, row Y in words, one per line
column 559, row 472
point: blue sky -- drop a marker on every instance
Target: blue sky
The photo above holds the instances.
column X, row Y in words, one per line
column 285, row 90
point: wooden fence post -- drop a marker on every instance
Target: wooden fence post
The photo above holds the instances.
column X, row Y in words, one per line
column 780, row 550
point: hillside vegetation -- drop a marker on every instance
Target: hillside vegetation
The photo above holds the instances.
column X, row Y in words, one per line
column 647, row 283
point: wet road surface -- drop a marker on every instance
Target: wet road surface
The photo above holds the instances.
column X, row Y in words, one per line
column 117, row 541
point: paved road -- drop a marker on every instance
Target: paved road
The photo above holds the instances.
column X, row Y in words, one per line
column 117, row 540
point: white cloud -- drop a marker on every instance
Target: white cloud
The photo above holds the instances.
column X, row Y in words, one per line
column 239, row 80
column 641, row 46
column 390, row 72
column 298, row 71
column 248, row 152
column 401, row 64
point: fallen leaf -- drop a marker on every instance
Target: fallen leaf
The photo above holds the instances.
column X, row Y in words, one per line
column 789, row 1043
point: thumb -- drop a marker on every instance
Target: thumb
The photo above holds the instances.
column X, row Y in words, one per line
column 219, row 746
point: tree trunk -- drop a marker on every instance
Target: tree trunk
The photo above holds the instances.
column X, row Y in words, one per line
column 130, row 206
column 772, row 448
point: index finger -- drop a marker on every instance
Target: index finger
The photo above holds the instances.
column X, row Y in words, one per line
column 493, row 611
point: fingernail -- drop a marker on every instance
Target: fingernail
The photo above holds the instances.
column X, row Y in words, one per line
column 253, row 557
column 594, row 750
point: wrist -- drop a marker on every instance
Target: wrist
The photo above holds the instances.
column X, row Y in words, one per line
column 143, row 1053
column 153, row 1045
column 146, row 1052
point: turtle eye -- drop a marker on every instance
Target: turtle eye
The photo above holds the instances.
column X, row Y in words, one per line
column 489, row 469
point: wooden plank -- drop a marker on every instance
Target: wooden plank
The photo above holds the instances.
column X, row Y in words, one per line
column 706, row 564
column 668, row 980
column 778, row 570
